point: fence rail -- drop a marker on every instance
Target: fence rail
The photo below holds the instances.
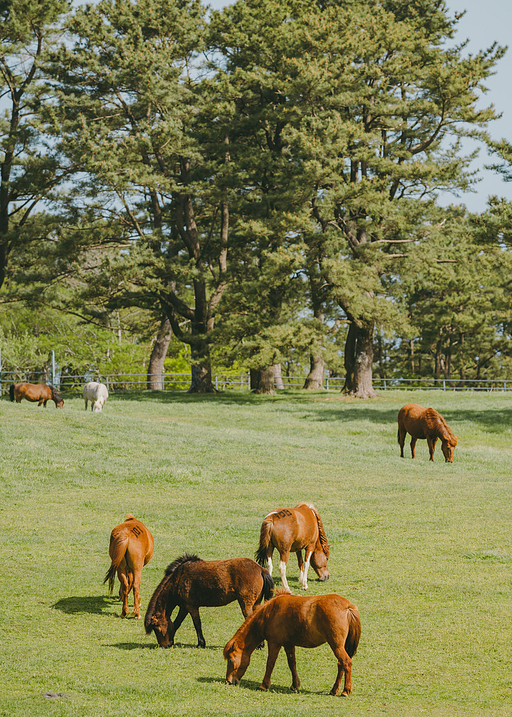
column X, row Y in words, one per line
column 167, row 381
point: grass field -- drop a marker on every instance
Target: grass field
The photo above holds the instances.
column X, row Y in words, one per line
column 424, row 550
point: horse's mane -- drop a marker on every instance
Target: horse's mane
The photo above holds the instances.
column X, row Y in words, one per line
column 321, row 532
column 245, row 626
column 55, row 395
column 186, row 558
column 159, row 597
column 437, row 423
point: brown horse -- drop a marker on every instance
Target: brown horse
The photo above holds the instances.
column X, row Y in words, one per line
column 425, row 423
column 131, row 547
column 33, row 392
column 191, row 583
column 292, row 531
column 290, row 621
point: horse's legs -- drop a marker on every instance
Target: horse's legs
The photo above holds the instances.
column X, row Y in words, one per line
column 290, row 655
column 85, row 403
column 273, row 652
column 413, row 446
column 283, row 560
column 344, row 668
column 431, row 446
column 401, row 440
column 303, row 577
column 124, row 589
column 270, row 567
column 137, row 575
column 182, row 614
column 194, row 612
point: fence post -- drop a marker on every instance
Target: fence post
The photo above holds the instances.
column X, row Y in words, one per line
column 163, row 381
column 107, row 384
column 444, row 384
column 53, row 367
column 327, row 383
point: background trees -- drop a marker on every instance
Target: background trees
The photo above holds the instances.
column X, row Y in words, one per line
column 258, row 179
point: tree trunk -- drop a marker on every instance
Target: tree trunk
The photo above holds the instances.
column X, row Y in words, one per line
column 158, row 354
column 278, row 379
column 262, row 380
column 315, row 377
column 201, row 381
column 359, row 359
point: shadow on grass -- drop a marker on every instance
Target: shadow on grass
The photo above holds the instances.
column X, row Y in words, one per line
column 154, row 646
column 255, row 686
column 93, row 605
column 341, row 409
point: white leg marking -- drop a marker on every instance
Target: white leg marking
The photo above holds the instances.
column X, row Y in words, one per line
column 305, row 579
column 270, row 567
column 282, row 570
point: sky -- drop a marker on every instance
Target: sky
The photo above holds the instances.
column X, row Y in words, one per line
column 485, row 22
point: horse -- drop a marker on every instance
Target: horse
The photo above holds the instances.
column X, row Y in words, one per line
column 425, row 423
column 40, row 392
column 291, row 621
column 191, row 583
column 131, row 547
column 295, row 530
column 97, row 394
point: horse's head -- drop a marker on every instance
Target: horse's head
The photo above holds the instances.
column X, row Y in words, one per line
column 448, row 448
column 238, row 662
column 160, row 626
column 319, row 564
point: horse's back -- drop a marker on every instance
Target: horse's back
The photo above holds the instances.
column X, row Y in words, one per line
column 32, row 391
column 309, row 621
column 411, row 418
column 136, row 535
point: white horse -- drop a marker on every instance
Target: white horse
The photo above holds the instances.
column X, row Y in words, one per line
column 97, row 394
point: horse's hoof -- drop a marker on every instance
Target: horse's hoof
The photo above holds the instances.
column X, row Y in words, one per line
column 261, row 688
column 201, row 645
column 137, row 617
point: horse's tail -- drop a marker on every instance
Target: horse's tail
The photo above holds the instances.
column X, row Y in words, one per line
column 354, row 630
column 118, row 547
column 265, row 535
column 11, row 391
column 268, row 585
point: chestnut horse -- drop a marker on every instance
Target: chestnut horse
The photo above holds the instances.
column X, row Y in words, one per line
column 191, row 583
column 290, row 621
column 425, row 423
column 292, row 531
column 131, row 547
column 33, row 392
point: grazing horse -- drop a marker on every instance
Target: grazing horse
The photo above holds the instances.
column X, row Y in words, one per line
column 291, row 621
column 97, row 394
column 33, row 392
column 292, row 531
column 425, row 423
column 131, row 547
column 191, row 583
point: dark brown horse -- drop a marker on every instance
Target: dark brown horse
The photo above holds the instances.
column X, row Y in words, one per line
column 292, row 531
column 191, row 583
column 290, row 621
column 425, row 423
column 33, row 392
column 131, row 547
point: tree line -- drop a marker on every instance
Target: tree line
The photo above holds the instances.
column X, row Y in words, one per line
column 257, row 183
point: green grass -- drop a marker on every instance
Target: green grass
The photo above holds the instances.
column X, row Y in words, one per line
column 424, row 550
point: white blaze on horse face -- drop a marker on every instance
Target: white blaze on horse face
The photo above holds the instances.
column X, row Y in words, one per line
column 282, row 570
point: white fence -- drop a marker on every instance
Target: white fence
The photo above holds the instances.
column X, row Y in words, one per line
column 168, row 381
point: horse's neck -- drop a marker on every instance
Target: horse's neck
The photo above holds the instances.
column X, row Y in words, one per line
column 252, row 631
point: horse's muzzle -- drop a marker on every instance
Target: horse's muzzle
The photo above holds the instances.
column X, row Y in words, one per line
column 233, row 681
column 324, row 578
